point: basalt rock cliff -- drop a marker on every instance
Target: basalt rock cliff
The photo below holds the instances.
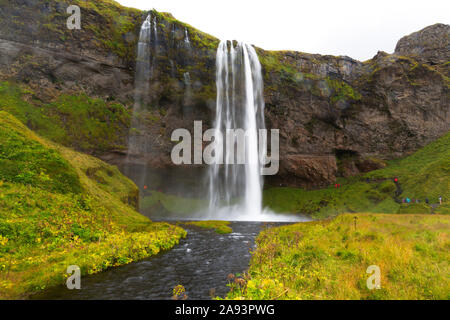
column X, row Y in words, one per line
column 337, row 116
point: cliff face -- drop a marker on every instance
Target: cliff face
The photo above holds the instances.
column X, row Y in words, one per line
column 336, row 115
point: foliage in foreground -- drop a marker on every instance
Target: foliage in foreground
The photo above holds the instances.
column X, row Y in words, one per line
column 60, row 208
column 329, row 259
column 424, row 174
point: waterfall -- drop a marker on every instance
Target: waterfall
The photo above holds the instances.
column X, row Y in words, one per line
column 155, row 28
column 186, row 37
column 237, row 188
column 137, row 143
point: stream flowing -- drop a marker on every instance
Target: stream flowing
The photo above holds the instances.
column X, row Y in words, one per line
column 201, row 263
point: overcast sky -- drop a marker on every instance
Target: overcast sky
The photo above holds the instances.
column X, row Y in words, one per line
column 356, row 28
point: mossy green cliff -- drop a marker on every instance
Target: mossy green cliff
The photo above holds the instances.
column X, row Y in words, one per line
column 324, row 106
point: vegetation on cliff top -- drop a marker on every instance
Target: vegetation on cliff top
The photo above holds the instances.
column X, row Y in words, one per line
column 329, row 259
column 60, row 208
column 290, row 73
column 123, row 21
column 424, row 174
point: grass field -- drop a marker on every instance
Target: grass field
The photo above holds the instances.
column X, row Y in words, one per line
column 59, row 208
column 329, row 259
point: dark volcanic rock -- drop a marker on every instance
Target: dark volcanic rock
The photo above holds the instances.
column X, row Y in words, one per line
column 326, row 107
column 431, row 44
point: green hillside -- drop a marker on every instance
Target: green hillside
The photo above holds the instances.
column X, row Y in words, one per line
column 424, row 174
column 59, row 208
column 76, row 121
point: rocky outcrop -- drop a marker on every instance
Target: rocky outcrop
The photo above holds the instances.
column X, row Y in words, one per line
column 313, row 171
column 431, row 44
column 51, row 72
column 325, row 107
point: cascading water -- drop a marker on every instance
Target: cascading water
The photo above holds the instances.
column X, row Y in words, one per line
column 137, row 142
column 236, row 189
column 155, row 28
column 186, row 38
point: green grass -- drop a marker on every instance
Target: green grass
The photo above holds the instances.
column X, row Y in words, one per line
column 59, row 208
column 353, row 196
column 120, row 20
column 342, row 91
column 198, row 38
column 76, row 121
column 28, row 162
column 221, row 227
column 329, row 259
column 424, row 174
column 290, row 74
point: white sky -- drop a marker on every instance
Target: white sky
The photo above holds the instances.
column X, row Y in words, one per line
column 342, row 27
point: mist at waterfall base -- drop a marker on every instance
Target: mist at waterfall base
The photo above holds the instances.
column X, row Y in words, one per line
column 221, row 192
column 235, row 191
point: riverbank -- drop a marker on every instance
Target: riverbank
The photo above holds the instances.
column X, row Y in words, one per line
column 200, row 263
column 328, row 259
column 60, row 208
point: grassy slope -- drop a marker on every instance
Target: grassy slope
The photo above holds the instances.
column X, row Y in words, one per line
column 423, row 174
column 60, row 208
column 75, row 121
column 329, row 259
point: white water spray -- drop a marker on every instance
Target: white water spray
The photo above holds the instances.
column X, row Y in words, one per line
column 137, row 143
column 186, row 37
column 155, row 28
column 236, row 190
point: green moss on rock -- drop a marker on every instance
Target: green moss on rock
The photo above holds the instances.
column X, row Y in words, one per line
column 77, row 121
